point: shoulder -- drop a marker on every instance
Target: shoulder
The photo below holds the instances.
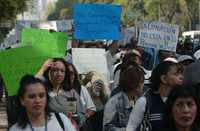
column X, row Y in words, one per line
column 54, row 123
column 84, row 92
column 83, row 88
column 64, row 117
column 15, row 127
column 116, row 98
column 141, row 101
column 67, row 122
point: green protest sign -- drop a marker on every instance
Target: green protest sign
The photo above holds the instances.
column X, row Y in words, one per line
column 45, row 40
column 17, row 62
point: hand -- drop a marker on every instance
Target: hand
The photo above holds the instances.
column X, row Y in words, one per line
column 48, row 63
column 69, row 115
column 89, row 113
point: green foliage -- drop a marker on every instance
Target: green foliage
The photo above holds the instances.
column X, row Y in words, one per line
column 63, row 10
column 10, row 8
column 179, row 12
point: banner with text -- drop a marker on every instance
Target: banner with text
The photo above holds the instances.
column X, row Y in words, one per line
column 97, row 21
column 158, row 35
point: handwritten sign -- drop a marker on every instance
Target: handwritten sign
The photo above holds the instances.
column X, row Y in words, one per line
column 44, row 40
column 90, row 59
column 158, row 35
column 97, row 21
column 17, row 62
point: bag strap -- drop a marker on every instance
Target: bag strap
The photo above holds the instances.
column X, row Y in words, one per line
column 59, row 120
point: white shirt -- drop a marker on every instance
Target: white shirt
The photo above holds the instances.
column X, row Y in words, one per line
column 86, row 100
column 52, row 125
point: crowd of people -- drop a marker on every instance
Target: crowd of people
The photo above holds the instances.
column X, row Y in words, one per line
column 133, row 98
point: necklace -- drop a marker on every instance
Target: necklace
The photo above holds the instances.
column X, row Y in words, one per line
column 32, row 129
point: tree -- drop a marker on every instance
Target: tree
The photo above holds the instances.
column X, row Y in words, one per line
column 63, row 10
column 10, row 9
column 189, row 9
column 180, row 12
column 161, row 10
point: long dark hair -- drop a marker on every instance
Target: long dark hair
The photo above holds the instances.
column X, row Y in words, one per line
column 64, row 83
column 25, row 81
column 76, row 83
column 161, row 69
column 180, row 92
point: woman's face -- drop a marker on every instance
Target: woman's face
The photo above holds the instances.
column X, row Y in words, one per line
column 34, row 99
column 173, row 77
column 97, row 87
column 72, row 73
column 184, row 112
column 57, row 72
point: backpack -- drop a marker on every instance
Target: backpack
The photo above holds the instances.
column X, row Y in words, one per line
column 145, row 125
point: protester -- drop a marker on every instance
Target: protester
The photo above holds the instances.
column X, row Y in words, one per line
column 118, row 108
column 87, row 107
column 185, row 60
column 34, row 111
column 133, row 56
column 192, row 73
column 110, row 55
column 163, row 54
column 66, row 93
column 182, row 110
column 98, row 89
column 164, row 77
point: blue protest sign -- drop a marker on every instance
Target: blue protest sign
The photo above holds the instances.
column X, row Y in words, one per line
column 97, row 21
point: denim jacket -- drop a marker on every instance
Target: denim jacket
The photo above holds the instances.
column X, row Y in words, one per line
column 116, row 113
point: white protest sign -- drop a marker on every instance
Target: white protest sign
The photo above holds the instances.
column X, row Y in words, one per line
column 46, row 25
column 158, row 35
column 90, row 59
